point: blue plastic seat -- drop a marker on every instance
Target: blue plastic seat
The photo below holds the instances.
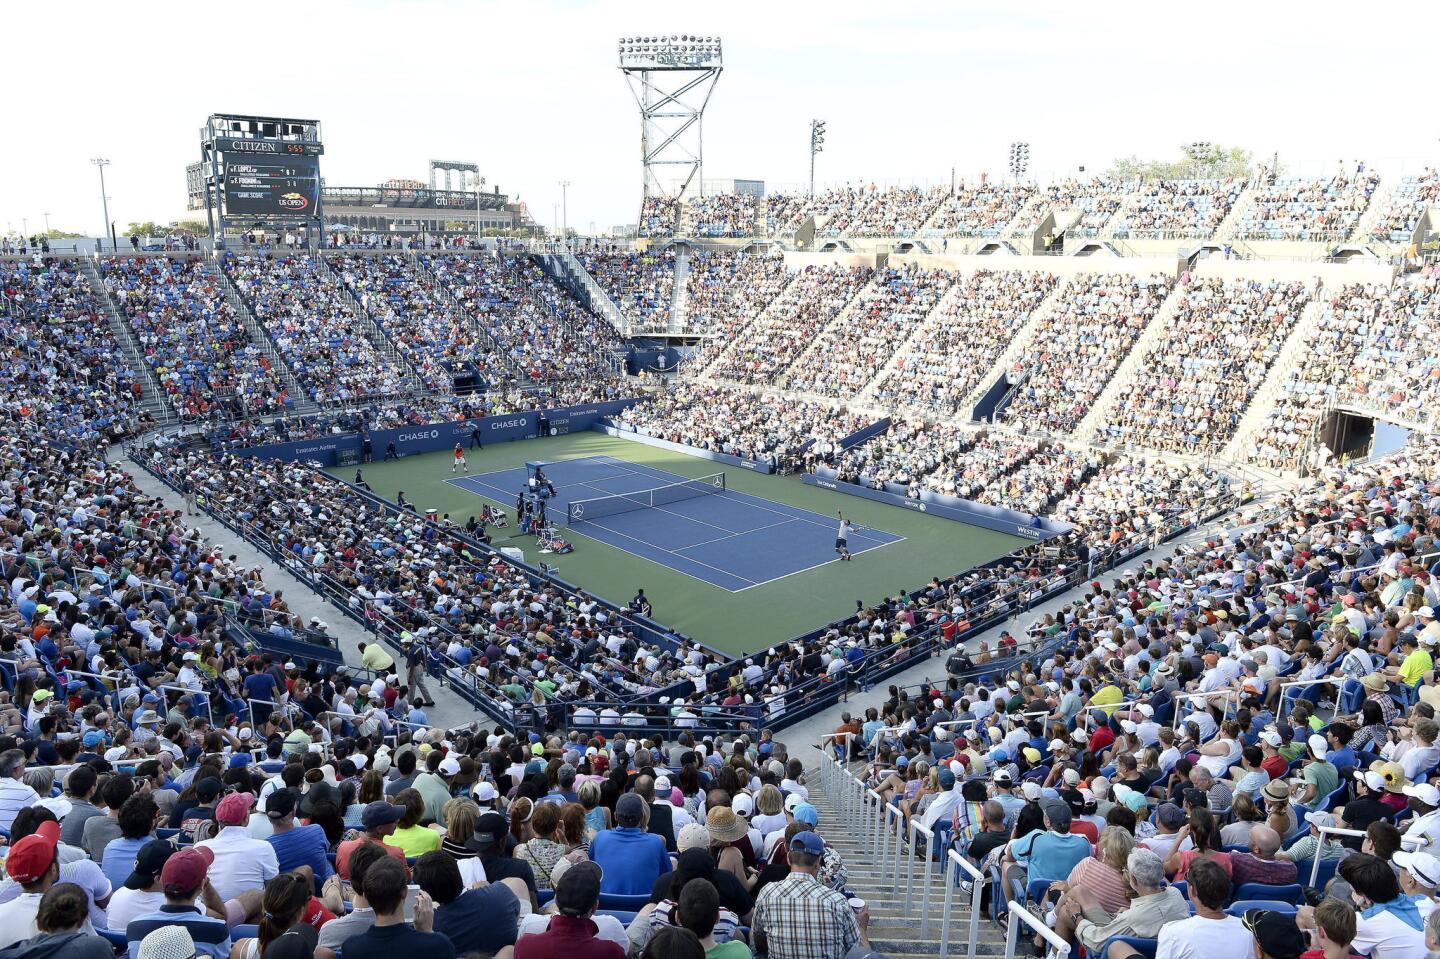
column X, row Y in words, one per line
column 610, row 900
column 1293, row 892
column 1240, row 908
column 1146, row 947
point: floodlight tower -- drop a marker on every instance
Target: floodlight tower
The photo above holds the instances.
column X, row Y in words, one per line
column 671, row 79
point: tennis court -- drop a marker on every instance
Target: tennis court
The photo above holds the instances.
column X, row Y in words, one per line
column 726, row 538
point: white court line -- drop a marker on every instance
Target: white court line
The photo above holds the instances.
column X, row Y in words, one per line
column 828, row 524
column 816, row 566
column 707, row 542
column 672, row 552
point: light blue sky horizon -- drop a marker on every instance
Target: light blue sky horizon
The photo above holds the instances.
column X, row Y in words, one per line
column 531, row 92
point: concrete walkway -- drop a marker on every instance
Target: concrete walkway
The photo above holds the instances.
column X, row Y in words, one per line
column 449, row 710
column 803, row 738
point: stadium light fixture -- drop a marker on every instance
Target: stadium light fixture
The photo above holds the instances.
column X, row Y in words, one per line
column 1019, row 159
column 672, row 78
column 817, row 145
column 101, row 163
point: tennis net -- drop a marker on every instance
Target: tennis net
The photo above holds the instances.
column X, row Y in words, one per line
column 587, row 509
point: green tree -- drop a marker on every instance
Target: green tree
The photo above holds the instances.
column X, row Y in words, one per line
column 1196, row 161
column 194, row 227
column 62, row 235
column 145, row 229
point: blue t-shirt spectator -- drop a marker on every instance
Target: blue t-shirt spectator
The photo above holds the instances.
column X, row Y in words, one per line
column 1053, row 855
column 260, row 686
column 302, row 846
column 118, row 861
column 388, row 942
column 632, row 860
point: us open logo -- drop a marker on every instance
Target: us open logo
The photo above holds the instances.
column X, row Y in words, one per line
column 294, row 201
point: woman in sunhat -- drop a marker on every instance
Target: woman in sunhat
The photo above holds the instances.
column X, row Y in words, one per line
column 728, row 834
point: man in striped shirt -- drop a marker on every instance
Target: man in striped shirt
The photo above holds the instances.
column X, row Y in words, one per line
column 14, row 794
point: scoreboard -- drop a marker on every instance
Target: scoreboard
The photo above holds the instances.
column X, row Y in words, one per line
column 271, row 185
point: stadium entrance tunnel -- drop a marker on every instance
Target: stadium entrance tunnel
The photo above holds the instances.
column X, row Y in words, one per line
column 1347, row 436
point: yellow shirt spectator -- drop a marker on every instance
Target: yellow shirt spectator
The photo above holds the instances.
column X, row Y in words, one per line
column 1107, row 695
column 376, row 658
column 1416, row 665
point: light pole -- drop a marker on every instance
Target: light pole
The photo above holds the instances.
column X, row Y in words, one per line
column 101, row 164
column 47, row 224
column 555, row 217
column 564, row 209
column 817, row 145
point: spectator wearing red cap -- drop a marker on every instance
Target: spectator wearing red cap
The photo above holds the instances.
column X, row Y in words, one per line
column 242, row 862
column 33, row 864
column 182, row 878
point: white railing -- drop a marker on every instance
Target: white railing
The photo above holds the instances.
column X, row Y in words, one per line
column 1019, row 914
column 1337, row 681
column 1414, row 842
column 955, row 864
column 1222, row 694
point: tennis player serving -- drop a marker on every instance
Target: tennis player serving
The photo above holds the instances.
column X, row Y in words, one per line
column 842, row 537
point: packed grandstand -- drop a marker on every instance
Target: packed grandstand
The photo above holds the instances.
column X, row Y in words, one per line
column 1198, row 712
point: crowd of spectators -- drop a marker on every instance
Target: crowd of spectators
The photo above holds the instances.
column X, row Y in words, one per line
column 330, row 348
column 1371, row 348
column 727, row 290
column 1162, row 209
column 725, row 214
column 194, row 341
column 659, row 216
column 961, row 342
column 642, row 283
column 436, row 336
column 1150, row 737
column 785, row 212
column 63, row 373
column 1294, row 208
column 506, row 635
column 1191, row 389
column 1097, row 200
column 544, row 330
column 851, row 351
column 1411, row 198
column 981, row 209
column 783, row 330
column 897, row 211
column 768, row 427
column 1075, row 349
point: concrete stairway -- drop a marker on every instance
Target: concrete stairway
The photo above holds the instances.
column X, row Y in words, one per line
column 897, row 915
column 802, row 362
column 1119, row 383
column 152, row 397
column 372, row 327
column 1018, row 342
column 1231, row 224
column 1264, row 399
column 562, row 265
column 925, row 328
column 441, row 289
column 680, row 296
column 1379, row 203
column 300, row 397
column 718, row 351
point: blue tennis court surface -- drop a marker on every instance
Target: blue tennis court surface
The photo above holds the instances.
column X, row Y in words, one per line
column 728, row 539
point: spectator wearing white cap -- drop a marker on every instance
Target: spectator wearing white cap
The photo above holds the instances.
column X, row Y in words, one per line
column 1311, row 846
column 1424, row 801
column 1321, row 778
column 434, row 785
column 1419, row 873
column 1366, row 807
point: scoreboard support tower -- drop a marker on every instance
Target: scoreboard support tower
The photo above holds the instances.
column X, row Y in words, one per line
column 262, row 172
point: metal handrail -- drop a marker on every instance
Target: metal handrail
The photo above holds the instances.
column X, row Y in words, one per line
column 1223, row 694
column 1337, row 681
column 956, row 862
column 1019, row 914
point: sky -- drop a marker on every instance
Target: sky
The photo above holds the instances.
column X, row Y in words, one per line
column 531, row 91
